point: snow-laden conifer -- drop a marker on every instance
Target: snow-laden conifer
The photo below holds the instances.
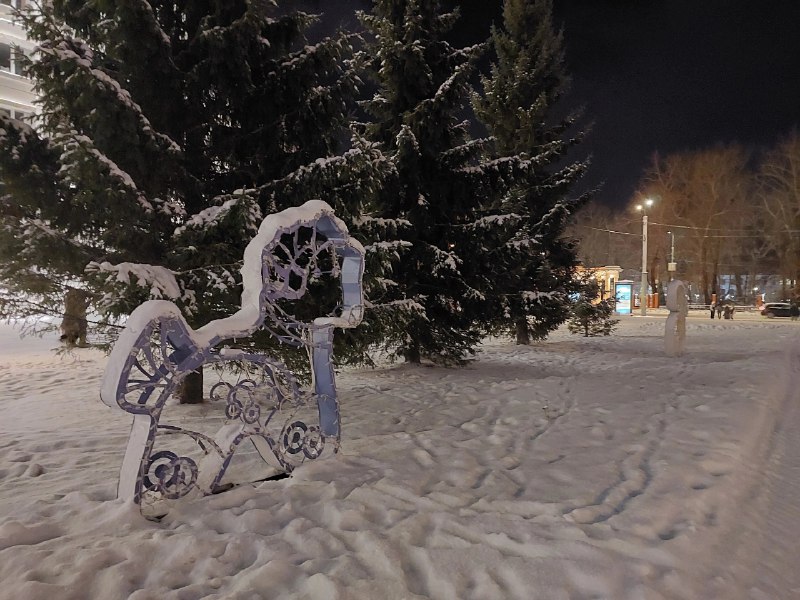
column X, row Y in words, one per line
column 528, row 295
column 167, row 131
column 439, row 183
column 590, row 315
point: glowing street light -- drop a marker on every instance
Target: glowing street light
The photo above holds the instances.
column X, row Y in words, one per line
column 643, row 290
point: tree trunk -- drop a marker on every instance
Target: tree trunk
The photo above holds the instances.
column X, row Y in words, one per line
column 191, row 389
column 74, row 324
column 412, row 355
column 738, row 280
column 523, row 338
column 704, row 278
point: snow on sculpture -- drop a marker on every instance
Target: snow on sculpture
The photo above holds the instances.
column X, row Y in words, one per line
column 675, row 330
column 293, row 249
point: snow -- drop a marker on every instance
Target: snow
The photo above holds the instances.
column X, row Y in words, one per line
column 573, row 469
column 380, row 222
column 491, row 220
column 388, row 246
column 85, row 142
column 535, row 295
column 207, row 216
column 160, row 280
column 63, row 51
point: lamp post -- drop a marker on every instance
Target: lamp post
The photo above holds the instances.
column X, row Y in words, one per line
column 672, row 267
column 643, row 290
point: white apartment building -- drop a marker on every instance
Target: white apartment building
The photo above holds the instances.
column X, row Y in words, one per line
column 16, row 91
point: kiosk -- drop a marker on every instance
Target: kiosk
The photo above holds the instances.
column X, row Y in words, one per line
column 623, row 293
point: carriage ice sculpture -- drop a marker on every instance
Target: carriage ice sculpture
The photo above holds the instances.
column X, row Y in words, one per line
column 285, row 424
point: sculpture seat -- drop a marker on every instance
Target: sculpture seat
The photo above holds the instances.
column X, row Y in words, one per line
column 285, row 423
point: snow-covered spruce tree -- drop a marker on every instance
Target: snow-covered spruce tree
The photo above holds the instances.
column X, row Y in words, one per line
column 433, row 197
column 590, row 316
column 529, row 296
column 167, row 131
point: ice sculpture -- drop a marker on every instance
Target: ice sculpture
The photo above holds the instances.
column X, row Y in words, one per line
column 675, row 331
column 293, row 249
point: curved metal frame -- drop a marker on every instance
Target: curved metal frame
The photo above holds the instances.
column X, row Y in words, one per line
column 157, row 349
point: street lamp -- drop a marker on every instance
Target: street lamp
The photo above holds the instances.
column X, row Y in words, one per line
column 643, row 290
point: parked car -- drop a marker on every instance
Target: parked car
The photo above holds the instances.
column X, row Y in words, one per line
column 775, row 309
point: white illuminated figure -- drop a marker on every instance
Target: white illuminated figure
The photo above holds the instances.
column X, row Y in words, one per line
column 675, row 331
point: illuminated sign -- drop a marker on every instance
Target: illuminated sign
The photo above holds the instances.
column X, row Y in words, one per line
column 623, row 292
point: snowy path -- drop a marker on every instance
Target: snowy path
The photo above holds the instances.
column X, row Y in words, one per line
column 771, row 532
column 574, row 469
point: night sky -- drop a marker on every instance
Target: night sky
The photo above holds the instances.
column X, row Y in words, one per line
column 674, row 75
column 663, row 75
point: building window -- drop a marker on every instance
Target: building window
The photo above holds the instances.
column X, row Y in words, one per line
column 19, row 64
column 5, row 57
column 15, row 114
column 12, row 59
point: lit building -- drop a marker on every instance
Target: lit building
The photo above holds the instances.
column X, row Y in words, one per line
column 606, row 278
column 16, row 91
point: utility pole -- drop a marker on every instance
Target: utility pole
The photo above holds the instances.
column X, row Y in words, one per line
column 643, row 290
column 672, row 266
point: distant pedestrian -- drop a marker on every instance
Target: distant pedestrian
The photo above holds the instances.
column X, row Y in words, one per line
column 720, row 308
column 713, row 308
column 794, row 311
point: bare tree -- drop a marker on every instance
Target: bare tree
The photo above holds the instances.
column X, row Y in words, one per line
column 779, row 188
column 749, row 251
column 700, row 195
column 605, row 237
column 591, row 226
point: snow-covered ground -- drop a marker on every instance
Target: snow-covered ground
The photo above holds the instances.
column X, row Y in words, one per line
column 579, row 468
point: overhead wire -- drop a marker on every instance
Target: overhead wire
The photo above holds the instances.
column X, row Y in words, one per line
column 751, row 236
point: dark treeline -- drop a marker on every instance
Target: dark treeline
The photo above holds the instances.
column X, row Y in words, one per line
column 167, row 130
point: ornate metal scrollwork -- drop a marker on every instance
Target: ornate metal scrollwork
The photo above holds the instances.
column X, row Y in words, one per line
column 169, row 474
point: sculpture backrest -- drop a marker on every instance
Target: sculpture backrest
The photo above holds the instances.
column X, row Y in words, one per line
column 279, row 262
